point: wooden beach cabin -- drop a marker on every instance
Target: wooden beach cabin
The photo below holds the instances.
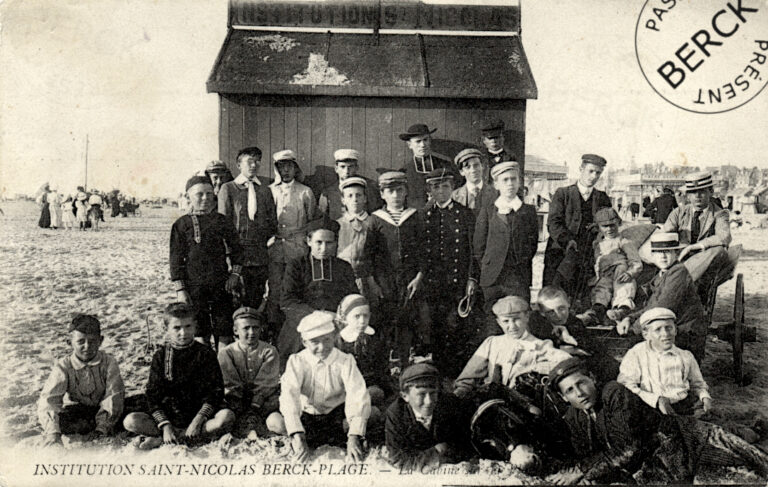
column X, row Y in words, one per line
column 316, row 76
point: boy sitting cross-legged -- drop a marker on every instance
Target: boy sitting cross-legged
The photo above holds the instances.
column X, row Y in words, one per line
column 91, row 379
column 185, row 390
column 321, row 387
column 664, row 376
column 251, row 370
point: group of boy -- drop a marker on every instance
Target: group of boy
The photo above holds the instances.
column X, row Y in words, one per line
column 405, row 270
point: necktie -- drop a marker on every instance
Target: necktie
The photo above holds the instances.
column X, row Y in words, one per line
column 695, row 226
column 251, row 200
column 473, row 193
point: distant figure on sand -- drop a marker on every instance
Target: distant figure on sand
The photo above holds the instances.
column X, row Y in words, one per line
column 54, row 207
column 45, row 212
column 81, row 209
column 67, row 215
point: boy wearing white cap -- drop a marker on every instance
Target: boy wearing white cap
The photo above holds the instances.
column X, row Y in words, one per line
column 704, row 229
column 346, row 166
column 662, row 375
column 321, row 387
column 673, row 289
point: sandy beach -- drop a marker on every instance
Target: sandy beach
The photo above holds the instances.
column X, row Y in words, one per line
column 120, row 274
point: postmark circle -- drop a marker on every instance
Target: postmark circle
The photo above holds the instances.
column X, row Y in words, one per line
column 704, row 56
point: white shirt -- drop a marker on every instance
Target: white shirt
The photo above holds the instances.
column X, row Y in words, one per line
column 505, row 206
column 672, row 374
column 241, row 180
column 318, row 386
column 585, row 191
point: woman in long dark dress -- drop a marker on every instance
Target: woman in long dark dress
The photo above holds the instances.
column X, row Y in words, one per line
column 45, row 214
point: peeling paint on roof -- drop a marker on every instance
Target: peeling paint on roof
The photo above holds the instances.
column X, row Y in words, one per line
column 276, row 42
column 514, row 60
column 318, row 72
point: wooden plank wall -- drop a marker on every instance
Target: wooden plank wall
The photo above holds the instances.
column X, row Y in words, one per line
column 315, row 127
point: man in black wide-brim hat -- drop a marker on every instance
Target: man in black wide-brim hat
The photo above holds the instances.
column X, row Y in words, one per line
column 424, row 160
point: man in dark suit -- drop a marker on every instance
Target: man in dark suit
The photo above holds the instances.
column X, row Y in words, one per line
column 346, row 166
column 568, row 257
column 451, row 271
column 476, row 191
column 493, row 140
column 425, row 160
column 505, row 240
column 661, row 207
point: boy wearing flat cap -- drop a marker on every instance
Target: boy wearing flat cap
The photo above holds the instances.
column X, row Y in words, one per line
column 296, row 207
column 425, row 428
column 320, row 388
column 354, row 226
column 198, row 260
column 317, row 280
column 662, row 375
column 704, row 230
column 218, row 173
column 424, row 160
column 503, row 358
column 673, row 288
column 247, row 202
column 617, row 265
column 493, row 140
column 251, row 371
column 568, row 257
column 90, row 378
column 505, row 240
column 451, row 270
column 331, row 198
column 396, row 238
column 476, row 191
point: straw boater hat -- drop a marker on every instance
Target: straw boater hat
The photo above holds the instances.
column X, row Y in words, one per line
column 416, row 130
column 698, row 180
column 661, row 241
column 346, row 155
column 216, row 167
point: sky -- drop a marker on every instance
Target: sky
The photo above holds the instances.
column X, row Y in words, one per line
column 131, row 75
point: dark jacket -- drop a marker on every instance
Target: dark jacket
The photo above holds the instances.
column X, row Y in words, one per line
column 410, row 445
column 398, row 251
column 486, row 197
column 254, row 234
column 661, row 207
column 493, row 236
column 205, row 261
column 628, row 436
column 184, row 382
column 302, row 295
column 417, row 187
column 502, row 156
column 565, row 215
column 448, row 247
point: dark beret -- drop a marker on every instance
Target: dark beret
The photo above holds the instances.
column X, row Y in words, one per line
column 248, row 312
column 494, row 125
column 87, row 324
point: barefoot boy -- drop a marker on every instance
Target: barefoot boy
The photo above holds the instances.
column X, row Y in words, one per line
column 185, row 390
column 251, row 370
column 321, row 387
column 664, row 376
column 198, row 259
column 91, row 379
